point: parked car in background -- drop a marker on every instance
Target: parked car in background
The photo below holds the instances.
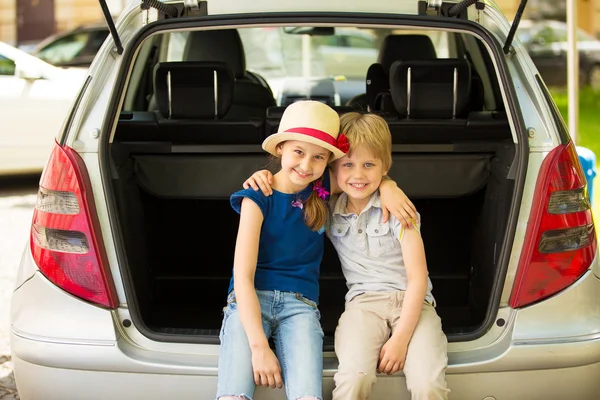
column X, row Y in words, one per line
column 74, row 48
column 116, row 296
column 546, row 42
column 35, row 98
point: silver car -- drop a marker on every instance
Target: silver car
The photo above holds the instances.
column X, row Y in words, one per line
column 124, row 277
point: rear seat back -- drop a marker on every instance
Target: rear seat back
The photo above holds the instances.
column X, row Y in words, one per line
column 432, row 102
column 394, row 48
column 431, row 89
column 192, row 97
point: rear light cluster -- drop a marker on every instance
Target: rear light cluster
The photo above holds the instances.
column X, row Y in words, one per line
column 65, row 236
column 560, row 242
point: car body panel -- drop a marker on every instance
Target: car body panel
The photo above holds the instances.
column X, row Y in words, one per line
column 99, row 361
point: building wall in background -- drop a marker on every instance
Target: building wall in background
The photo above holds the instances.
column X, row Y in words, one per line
column 68, row 14
column 8, row 23
column 71, row 13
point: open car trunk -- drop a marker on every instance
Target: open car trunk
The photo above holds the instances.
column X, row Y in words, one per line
column 179, row 230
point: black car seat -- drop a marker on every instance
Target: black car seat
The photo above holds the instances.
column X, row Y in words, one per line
column 251, row 94
column 394, row 48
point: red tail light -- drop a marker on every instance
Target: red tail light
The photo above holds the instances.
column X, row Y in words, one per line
column 65, row 236
column 560, row 242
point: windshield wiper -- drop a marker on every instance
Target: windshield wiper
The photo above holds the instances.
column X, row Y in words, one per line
column 514, row 26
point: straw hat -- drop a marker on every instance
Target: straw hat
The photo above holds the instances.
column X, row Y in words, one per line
column 313, row 122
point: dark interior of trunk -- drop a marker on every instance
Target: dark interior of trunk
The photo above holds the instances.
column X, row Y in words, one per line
column 178, row 229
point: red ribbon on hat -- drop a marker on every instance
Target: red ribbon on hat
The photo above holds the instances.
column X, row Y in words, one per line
column 341, row 143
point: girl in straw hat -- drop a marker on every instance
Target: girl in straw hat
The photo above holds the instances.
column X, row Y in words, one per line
column 274, row 291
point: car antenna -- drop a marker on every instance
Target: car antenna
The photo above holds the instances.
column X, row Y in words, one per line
column 514, row 26
column 111, row 26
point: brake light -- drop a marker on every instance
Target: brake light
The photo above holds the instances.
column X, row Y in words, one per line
column 65, row 236
column 560, row 242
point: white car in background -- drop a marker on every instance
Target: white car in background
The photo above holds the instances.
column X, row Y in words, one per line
column 35, row 98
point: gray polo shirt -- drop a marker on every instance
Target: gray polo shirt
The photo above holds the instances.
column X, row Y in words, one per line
column 369, row 250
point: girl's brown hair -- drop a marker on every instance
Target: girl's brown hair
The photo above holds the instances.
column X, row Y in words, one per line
column 314, row 208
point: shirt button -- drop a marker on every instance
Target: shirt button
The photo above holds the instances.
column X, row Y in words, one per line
column 360, row 231
column 376, row 230
column 339, row 231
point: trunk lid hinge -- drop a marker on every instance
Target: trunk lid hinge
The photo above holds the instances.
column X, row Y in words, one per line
column 195, row 8
column 438, row 8
column 430, row 7
column 189, row 8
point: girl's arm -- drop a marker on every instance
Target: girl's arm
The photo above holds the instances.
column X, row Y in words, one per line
column 393, row 353
column 393, row 199
column 244, row 268
column 267, row 371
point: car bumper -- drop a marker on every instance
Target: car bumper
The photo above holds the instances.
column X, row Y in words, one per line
column 46, row 370
column 51, row 362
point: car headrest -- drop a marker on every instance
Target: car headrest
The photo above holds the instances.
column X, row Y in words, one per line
column 378, row 83
column 223, row 45
column 193, row 90
column 431, row 88
column 405, row 48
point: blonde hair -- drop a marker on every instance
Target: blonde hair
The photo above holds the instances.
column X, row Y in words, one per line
column 369, row 132
column 314, row 208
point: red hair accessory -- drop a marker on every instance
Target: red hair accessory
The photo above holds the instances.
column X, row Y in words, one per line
column 342, row 143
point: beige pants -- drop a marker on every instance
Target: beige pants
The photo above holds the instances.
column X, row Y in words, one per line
column 365, row 326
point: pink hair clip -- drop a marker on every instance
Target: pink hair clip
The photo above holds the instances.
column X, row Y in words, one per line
column 321, row 192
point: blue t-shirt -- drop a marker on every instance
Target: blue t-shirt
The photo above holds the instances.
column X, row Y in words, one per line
column 289, row 252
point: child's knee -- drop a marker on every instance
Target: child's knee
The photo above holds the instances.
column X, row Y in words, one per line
column 356, row 379
column 308, row 398
column 237, row 397
column 428, row 388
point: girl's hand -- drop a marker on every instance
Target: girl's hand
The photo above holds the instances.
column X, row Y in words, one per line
column 392, row 356
column 267, row 371
column 393, row 200
column 262, row 179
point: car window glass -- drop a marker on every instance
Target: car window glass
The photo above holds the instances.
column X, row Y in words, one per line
column 7, row 66
column 545, row 36
column 280, row 53
column 176, row 45
column 560, row 34
column 324, row 40
column 359, row 42
column 584, row 37
column 96, row 41
column 65, row 49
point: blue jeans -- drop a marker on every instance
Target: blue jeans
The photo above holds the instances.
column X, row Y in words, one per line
column 293, row 322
